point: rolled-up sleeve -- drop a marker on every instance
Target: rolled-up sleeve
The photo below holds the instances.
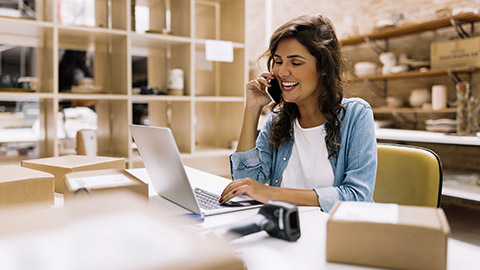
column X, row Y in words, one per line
column 327, row 197
column 245, row 164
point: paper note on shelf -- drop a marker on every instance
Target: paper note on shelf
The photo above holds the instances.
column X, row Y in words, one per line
column 370, row 212
column 221, row 51
column 99, row 181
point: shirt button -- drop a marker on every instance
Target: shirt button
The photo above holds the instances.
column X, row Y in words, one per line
column 276, row 181
column 284, row 158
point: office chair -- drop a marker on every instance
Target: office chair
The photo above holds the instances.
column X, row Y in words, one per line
column 408, row 175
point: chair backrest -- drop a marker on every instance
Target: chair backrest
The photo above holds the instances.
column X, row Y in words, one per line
column 408, row 175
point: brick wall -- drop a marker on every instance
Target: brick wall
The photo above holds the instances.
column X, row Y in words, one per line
column 359, row 17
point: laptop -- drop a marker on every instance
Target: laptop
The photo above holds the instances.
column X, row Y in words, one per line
column 167, row 174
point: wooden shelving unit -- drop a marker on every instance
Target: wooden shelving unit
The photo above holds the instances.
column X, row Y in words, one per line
column 207, row 116
column 413, row 28
column 416, row 74
column 408, row 29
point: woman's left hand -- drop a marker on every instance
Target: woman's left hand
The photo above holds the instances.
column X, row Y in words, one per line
column 247, row 186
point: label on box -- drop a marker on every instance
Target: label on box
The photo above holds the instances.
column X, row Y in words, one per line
column 370, row 212
column 455, row 53
column 99, row 181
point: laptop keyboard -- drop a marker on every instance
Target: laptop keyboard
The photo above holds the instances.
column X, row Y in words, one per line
column 207, row 200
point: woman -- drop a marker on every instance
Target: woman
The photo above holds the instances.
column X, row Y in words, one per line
column 316, row 148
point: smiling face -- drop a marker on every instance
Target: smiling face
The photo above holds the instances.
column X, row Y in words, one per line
column 296, row 71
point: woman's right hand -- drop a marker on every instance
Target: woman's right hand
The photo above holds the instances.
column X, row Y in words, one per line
column 256, row 91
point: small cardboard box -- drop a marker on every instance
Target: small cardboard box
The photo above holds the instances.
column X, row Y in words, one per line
column 455, row 53
column 117, row 230
column 387, row 236
column 20, row 186
column 102, row 181
column 59, row 166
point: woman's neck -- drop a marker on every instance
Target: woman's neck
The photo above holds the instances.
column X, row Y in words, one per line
column 310, row 117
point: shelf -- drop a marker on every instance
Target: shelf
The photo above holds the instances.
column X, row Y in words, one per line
column 23, row 27
column 82, row 36
column 416, row 74
column 147, row 98
column 157, row 40
column 26, row 33
column 87, row 31
column 461, row 190
column 219, row 99
column 412, row 28
column 74, row 96
column 413, row 110
column 201, row 44
column 16, row 96
column 425, row 136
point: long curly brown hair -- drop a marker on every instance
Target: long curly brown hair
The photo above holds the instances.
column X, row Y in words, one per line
column 317, row 34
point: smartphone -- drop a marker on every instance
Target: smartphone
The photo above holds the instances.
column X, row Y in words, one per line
column 274, row 91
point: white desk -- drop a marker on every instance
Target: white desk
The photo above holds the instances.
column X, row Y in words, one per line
column 259, row 251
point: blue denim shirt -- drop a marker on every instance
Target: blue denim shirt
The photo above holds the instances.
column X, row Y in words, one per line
column 354, row 167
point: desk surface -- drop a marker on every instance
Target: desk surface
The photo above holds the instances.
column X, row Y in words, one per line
column 259, row 251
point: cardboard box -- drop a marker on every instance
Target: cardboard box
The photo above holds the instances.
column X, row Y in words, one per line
column 113, row 231
column 388, row 236
column 102, row 181
column 455, row 53
column 59, row 166
column 20, row 186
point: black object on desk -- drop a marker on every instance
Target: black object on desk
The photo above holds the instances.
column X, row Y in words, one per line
column 278, row 219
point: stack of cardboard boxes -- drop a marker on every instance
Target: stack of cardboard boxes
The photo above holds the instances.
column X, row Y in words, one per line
column 36, row 181
column 114, row 228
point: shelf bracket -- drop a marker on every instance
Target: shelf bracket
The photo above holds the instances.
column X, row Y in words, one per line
column 375, row 46
column 456, row 79
column 377, row 90
column 401, row 118
column 457, row 25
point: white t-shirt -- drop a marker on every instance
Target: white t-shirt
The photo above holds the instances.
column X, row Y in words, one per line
column 308, row 166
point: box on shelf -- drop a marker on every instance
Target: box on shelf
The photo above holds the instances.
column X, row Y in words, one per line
column 117, row 230
column 59, row 166
column 387, row 236
column 19, row 186
column 102, row 181
column 455, row 53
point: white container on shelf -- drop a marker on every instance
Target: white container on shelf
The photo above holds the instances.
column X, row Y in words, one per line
column 418, row 97
column 366, row 69
column 175, row 82
column 439, row 96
